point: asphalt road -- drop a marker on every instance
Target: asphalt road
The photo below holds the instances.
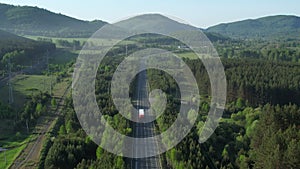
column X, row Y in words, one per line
column 144, row 130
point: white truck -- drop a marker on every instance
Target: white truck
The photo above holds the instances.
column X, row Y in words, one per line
column 141, row 113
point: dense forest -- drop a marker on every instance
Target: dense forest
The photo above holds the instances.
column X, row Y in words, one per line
column 259, row 129
column 260, row 124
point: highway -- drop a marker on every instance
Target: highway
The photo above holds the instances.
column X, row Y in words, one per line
column 144, row 130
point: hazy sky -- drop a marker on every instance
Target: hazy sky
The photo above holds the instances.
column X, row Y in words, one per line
column 195, row 12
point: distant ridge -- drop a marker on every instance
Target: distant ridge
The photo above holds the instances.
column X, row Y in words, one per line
column 164, row 24
column 26, row 20
column 154, row 22
column 270, row 27
column 36, row 21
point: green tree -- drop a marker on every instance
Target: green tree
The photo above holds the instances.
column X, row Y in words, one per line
column 53, row 102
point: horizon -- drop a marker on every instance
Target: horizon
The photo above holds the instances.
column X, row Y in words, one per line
column 126, row 11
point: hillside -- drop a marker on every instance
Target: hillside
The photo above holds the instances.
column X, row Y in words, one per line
column 154, row 21
column 271, row 27
column 10, row 42
column 27, row 20
column 27, row 48
column 150, row 22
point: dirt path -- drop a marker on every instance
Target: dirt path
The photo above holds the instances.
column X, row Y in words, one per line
column 30, row 156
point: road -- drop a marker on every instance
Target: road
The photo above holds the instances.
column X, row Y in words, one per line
column 143, row 130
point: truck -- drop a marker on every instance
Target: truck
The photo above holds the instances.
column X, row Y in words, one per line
column 141, row 113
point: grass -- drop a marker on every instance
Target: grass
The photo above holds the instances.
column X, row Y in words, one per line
column 26, row 85
column 54, row 39
column 95, row 41
column 8, row 139
column 29, row 84
column 15, row 145
column 60, row 88
column 81, row 40
column 189, row 55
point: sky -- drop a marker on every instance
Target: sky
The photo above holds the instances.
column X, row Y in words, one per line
column 198, row 13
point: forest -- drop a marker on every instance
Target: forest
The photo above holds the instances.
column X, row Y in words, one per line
column 259, row 127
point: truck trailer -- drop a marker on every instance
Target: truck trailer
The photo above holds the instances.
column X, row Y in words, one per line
column 141, row 113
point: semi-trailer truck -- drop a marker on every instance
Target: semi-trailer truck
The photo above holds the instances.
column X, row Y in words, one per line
column 141, row 113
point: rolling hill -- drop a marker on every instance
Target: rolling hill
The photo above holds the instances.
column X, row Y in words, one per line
column 26, row 20
column 271, row 27
column 154, row 21
column 160, row 22
column 10, row 43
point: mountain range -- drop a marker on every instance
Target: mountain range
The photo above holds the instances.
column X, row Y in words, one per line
column 270, row 27
column 26, row 20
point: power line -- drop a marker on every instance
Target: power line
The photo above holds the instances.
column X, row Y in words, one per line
column 47, row 60
column 48, row 71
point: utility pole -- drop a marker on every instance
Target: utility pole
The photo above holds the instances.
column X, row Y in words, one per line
column 126, row 50
column 47, row 60
column 50, row 84
column 3, row 150
column 48, row 71
column 10, row 89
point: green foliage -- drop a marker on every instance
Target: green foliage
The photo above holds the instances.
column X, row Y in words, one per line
column 99, row 152
column 244, row 138
column 6, row 112
column 32, row 111
column 53, row 102
column 65, row 43
column 274, row 136
column 21, row 51
column 36, row 21
column 271, row 27
column 240, row 103
column 254, row 81
column 66, row 153
column 62, row 130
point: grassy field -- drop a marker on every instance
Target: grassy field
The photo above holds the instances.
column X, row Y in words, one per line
column 26, row 85
column 30, row 84
column 14, row 145
column 82, row 40
column 189, row 55
column 95, row 41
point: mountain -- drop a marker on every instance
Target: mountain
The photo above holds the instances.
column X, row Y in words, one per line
column 148, row 22
column 271, row 27
column 26, row 20
column 154, row 22
column 36, row 21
